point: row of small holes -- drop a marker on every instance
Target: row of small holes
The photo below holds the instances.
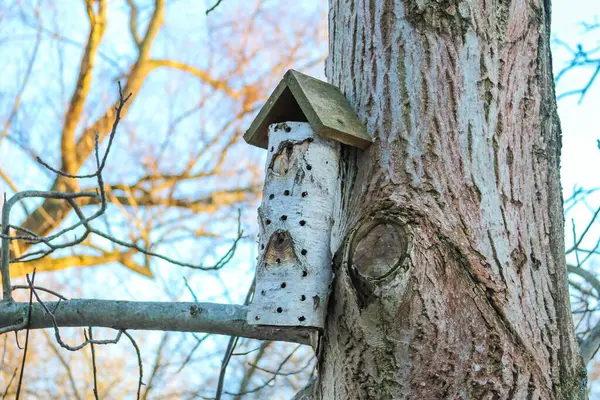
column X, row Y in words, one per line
column 284, row 218
column 287, row 193
column 302, row 298
column 279, row 310
column 303, row 252
column 301, row 318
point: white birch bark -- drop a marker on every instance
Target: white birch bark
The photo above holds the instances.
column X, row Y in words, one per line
column 295, row 218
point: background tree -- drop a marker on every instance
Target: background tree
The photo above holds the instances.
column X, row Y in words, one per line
column 176, row 179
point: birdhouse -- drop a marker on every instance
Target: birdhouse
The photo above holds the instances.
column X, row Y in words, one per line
column 301, row 125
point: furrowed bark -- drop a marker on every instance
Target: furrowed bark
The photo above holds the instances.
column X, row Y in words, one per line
column 221, row 319
column 450, row 269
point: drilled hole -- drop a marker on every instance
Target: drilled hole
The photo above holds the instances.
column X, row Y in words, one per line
column 283, row 217
column 272, row 148
column 304, row 194
column 286, row 193
column 304, row 273
column 279, row 309
column 302, row 298
column 302, row 318
column 303, row 252
column 302, row 222
column 287, row 128
column 283, row 285
column 326, row 162
column 271, row 197
column 263, row 292
column 278, row 260
column 262, row 246
column 309, row 167
column 268, row 222
column 257, row 317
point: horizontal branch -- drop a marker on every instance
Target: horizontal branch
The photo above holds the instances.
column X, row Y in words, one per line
column 589, row 347
column 220, row 319
column 210, row 203
column 204, row 76
column 48, row 264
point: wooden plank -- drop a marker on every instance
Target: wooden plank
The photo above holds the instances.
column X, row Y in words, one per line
column 327, row 110
column 280, row 107
column 301, row 98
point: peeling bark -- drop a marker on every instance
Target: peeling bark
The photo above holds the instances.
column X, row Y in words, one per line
column 293, row 273
column 465, row 173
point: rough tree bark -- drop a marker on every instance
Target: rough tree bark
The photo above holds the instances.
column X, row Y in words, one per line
column 450, row 272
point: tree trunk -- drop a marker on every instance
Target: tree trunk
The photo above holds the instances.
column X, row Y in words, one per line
column 450, row 273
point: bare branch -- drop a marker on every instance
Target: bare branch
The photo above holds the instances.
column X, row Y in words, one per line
column 17, row 102
column 12, row 378
column 591, row 344
column 589, row 277
column 94, row 372
column 213, row 7
column 65, row 364
column 39, row 219
column 273, row 377
column 133, row 23
column 202, row 75
column 577, row 242
column 31, row 290
column 222, row 319
column 82, row 88
column 580, row 58
column 231, row 347
column 139, row 358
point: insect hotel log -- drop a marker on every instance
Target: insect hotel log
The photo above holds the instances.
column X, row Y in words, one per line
column 302, row 125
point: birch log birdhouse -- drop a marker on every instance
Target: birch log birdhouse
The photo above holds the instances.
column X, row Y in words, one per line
column 302, row 125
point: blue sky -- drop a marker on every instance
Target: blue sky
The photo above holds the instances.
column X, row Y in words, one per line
column 579, row 119
column 581, row 157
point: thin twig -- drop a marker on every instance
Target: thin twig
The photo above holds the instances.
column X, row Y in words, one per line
column 94, row 371
column 275, row 374
column 231, row 347
column 191, row 353
column 3, row 353
column 31, row 290
column 43, row 289
column 100, row 165
column 140, row 367
column 9, row 383
column 213, row 7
